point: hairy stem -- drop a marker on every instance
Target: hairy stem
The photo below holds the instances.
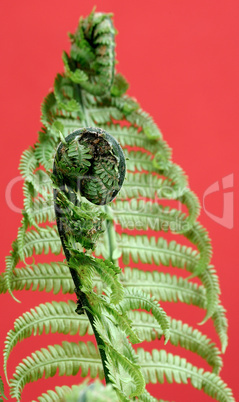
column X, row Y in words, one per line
column 83, row 299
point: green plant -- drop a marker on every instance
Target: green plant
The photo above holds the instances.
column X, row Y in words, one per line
column 2, row 391
column 90, row 93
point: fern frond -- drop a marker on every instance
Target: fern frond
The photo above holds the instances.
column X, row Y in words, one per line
column 21, row 236
column 115, row 315
column 125, row 104
column 68, row 359
column 40, row 210
column 131, row 136
column 28, row 164
column 136, row 299
column 119, row 86
column 137, row 160
column 146, row 214
column 221, row 325
column 86, row 265
column 164, row 286
column 42, row 241
column 76, row 76
column 90, row 45
column 190, row 199
column 64, row 91
column 170, row 254
column 146, row 250
column 3, row 287
column 192, row 339
column 51, row 317
column 56, row 395
column 2, row 395
column 48, row 109
column 89, row 93
column 198, row 235
column 140, row 185
column 171, row 170
column 64, row 124
column 101, row 115
column 210, row 281
column 160, row 365
column 53, row 277
column 42, row 183
column 108, row 273
column 181, row 334
column 120, row 352
column 94, row 391
column 151, row 249
column 145, row 121
column 11, row 262
column 45, row 149
column 146, row 397
column 172, row 288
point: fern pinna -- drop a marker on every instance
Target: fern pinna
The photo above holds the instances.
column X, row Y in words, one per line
column 132, row 229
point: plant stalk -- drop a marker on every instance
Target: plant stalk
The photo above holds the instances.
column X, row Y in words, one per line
column 83, row 298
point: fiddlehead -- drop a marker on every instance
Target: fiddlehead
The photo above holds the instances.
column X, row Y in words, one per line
column 90, row 160
column 90, row 165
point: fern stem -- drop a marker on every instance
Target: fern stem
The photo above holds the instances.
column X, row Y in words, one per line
column 111, row 237
column 83, row 299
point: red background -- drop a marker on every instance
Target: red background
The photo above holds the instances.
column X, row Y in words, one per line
column 181, row 59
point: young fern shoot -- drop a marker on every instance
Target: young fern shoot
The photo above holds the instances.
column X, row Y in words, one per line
column 89, row 170
column 78, row 172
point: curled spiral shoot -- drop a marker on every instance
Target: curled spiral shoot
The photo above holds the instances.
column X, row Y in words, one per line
column 91, row 161
column 88, row 172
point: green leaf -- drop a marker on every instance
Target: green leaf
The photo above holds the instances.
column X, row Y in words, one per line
column 42, row 241
column 155, row 197
column 136, row 299
column 28, row 164
column 67, row 359
column 120, row 85
column 2, row 395
column 181, row 334
column 53, row 277
column 160, row 365
column 147, row 249
column 95, row 390
column 54, row 317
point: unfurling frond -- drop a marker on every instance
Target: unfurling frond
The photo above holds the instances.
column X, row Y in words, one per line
column 136, row 299
column 86, row 167
column 119, row 349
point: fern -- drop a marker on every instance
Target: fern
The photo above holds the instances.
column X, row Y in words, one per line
column 135, row 299
column 94, row 391
column 2, row 391
column 161, row 365
column 50, row 317
column 49, row 277
column 89, row 169
column 180, row 334
column 68, row 359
